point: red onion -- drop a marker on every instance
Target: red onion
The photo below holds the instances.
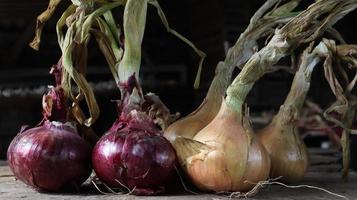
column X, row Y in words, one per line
column 134, row 153
column 50, row 157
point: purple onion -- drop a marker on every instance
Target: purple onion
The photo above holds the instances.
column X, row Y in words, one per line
column 50, row 157
column 134, row 154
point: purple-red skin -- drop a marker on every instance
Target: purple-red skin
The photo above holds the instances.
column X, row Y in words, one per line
column 135, row 155
column 51, row 157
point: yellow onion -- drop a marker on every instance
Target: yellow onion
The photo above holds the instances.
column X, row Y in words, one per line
column 225, row 155
column 281, row 137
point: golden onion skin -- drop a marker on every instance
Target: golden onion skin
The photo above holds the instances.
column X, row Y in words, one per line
column 230, row 157
column 190, row 125
column 288, row 153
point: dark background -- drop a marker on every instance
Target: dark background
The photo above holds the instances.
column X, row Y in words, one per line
column 169, row 66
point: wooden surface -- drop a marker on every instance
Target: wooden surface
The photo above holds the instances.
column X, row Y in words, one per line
column 13, row 190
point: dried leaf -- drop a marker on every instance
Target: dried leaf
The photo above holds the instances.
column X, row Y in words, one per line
column 87, row 24
column 285, row 9
column 346, row 103
column 186, row 148
column 62, row 22
column 74, row 48
column 114, row 44
column 41, row 20
column 158, row 111
column 83, row 86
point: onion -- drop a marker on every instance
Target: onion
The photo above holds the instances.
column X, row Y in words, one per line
column 50, row 157
column 224, row 155
column 134, row 153
column 281, row 137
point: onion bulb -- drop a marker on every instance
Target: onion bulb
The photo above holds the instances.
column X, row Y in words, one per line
column 281, row 137
column 51, row 156
column 225, row 155
column 134, row 153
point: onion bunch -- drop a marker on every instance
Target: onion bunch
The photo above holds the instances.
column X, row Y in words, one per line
column 226, row 155
column 51, row 156
column 215, row 145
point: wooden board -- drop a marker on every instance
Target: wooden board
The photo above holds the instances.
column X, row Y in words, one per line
column 14, row 190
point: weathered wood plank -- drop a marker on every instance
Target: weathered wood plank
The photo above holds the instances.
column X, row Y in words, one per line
column 11, row 189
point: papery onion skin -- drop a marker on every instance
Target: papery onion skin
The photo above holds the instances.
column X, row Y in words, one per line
column 134, row 154
column 190, row 125
column 51, row 157
column 233, row 157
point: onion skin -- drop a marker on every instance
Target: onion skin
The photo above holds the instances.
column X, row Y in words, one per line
column 230, row 155
column 288, row 153
column 51, row 157
column 135, row 154
column 190, row 125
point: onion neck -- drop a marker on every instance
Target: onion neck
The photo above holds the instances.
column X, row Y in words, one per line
column 300, row 29
column 134, row 26
column 237, row 55
column 254, row 69
column 54, row 103
column 300, row 86
column 218, row 86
